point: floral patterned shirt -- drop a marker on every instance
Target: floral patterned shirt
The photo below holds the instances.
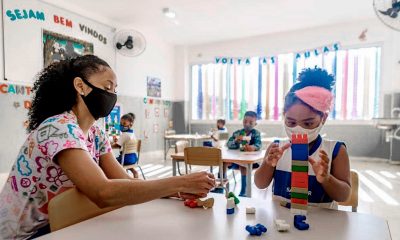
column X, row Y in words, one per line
column 36, row 177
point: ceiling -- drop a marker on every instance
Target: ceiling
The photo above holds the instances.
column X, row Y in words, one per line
column 202, row 21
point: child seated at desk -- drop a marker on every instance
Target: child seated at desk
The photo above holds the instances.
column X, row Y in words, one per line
column 215, row 139
column 306, row 109
column 246, row 139
column 127, row 135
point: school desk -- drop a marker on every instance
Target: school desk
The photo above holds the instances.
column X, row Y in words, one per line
column 187, row 137
column 231, row 156
column 170, row 219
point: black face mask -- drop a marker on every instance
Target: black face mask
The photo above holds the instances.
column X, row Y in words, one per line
column 99, row 102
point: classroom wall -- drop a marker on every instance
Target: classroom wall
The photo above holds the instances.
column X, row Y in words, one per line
column 347, row 35
column 158, row 60
column 24, row 36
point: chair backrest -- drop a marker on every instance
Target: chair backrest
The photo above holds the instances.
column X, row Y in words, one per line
column 223, row 136
column 170, row 132
column 180, row 146
column 353, row 199
column 132, row 146
column 72, row 207
column 203, row 156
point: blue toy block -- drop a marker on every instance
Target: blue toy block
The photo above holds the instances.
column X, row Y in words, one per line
column 261, row 227
column 299, row 152
column 256, row 230
column 299, row 222
column 230, row 211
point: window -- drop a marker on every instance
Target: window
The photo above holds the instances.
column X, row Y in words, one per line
column 228, row 90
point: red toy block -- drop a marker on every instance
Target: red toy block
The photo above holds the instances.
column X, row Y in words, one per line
column 192, row 203
column 300, row 179
column 299, row 139
column 299, row 201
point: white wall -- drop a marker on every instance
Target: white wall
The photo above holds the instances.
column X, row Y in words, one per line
column 24, row 57
column 158, row 60
column 347, row 34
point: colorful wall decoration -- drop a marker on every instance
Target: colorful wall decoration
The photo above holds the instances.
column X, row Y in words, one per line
column 113, row 121
column 260, row 83
column 57, row 47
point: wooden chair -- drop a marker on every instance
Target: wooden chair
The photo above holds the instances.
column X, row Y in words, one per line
column 353, row 199
column 132, row 146
column 205, row 156
column 179, row 148
column 72, row 207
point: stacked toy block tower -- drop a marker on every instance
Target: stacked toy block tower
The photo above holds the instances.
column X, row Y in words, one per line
column 299, row 179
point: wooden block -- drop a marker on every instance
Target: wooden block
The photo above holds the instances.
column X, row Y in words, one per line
column 298, row 195
column 299, row 163
column 299, row 190
column 299, row 201
column 299, row 206
column 250, row 210
column 300, row 179
column 299, row 168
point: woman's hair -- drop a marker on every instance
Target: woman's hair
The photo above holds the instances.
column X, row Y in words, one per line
column 309, row 77
column 129, row 117
column 54, row 91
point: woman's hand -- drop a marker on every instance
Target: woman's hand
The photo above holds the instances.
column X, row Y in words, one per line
column 199, row 183
column 321, row 167
column 275, row 153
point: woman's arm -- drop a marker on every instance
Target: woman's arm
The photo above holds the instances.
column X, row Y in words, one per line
column 112, row 168
column 92, row 181
column 336, row 183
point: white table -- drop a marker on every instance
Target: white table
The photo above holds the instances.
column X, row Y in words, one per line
column 170, row 219
column 188, row 137
column 231, row 156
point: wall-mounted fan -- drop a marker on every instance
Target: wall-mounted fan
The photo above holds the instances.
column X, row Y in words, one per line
column 129, row 43
column 388, row 11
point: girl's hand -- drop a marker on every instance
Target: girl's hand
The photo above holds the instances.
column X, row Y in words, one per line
column 321, row 167
column 275, row 153
column 199, row 183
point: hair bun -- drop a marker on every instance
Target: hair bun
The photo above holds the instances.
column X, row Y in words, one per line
column 314, row 77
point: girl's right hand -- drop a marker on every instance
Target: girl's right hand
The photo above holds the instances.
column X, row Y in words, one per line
column 198, row 183
column 275, row 153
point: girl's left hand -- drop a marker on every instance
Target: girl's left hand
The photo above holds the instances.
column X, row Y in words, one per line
column 321, row 167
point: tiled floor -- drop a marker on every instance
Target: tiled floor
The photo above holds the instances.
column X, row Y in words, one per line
column 379, row 190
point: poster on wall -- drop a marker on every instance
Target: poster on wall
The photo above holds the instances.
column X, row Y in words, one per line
column 153, row 87
column 57, row 47
column 166, row 113
column 155, row 128
column 113, row 121
column 147, row 113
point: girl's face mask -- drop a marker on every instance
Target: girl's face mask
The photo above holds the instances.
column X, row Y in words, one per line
column 311, row 133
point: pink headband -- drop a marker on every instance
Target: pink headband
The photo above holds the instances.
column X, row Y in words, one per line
column 319, row 98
